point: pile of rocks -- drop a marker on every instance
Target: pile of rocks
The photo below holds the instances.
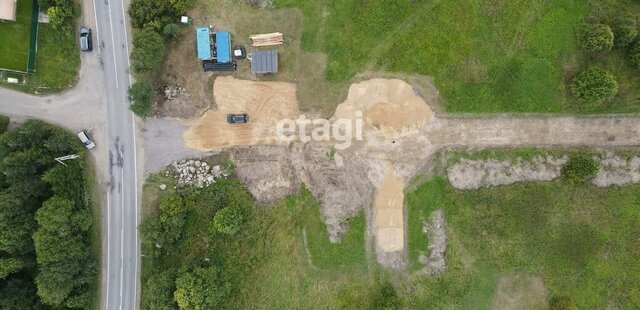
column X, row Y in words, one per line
column 196, row 173
column 173, row 91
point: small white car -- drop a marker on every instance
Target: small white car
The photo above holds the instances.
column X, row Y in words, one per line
column 86, row 140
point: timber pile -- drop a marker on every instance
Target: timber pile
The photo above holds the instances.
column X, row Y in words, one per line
column 267, row 39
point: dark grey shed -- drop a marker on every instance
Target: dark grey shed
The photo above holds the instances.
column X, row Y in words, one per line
column 264, row 62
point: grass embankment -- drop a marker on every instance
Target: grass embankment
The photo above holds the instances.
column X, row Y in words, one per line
column 582, row 240
column 485, row 56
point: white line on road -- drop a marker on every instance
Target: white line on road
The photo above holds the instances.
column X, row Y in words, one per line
column 106, row 306
column 95, row 16
column 121, row 235
column 113, row 45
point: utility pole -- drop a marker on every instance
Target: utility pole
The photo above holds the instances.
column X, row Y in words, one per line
column 68, row 157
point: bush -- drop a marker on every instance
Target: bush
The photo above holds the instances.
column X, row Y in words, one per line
column 4, row 123
column 594, row 85
column 148, row 51
column 171, row 31
column 201, row 288
column 141, row 98
column 634, row 56
column 625, row 32
column 580, row 168
column 386, row 297
column 228, row 220
column 597, row 38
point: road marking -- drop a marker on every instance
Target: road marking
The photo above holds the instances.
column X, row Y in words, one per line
column 113, row 45
column 121, row 235
column 106, row 306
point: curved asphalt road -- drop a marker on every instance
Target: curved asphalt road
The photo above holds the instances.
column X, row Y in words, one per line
column 99, row 103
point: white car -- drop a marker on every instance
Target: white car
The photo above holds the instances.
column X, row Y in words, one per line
column 86, row 140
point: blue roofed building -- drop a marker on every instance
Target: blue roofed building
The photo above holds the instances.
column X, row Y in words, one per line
column 203, row 43
column 223, row 46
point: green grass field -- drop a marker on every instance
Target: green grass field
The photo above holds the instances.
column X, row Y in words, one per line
column 582, row 240
column 484, row 56
column 14, row 35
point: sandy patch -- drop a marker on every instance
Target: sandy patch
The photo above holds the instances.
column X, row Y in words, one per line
column 265, row 102
column 389, row 106
column 388, row 216
column 521, row 291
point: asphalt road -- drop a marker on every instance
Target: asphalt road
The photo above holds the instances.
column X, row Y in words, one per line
column 120, row 243
column 98, row 103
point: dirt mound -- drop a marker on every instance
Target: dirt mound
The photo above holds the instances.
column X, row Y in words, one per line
column 617, row 171
column 474, row 174
column 265, row 102
column 389, row 106
column 267, row 172
column 521, row 291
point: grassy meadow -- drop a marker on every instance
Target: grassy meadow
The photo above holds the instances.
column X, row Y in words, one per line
column 14, row 35
column 485, row 56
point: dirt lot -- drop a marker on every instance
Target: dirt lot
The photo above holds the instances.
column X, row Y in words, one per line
column 265, row 102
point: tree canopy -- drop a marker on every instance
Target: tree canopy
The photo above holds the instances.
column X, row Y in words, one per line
column 594, row 85
column 200, row 288
column 597, row 38
column 141, row 98
column 148, row 51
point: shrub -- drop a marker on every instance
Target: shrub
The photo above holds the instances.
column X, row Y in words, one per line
column 228, row 220
column 625, row 32
column 562, row 303
column 594, row 85
column 4, row 123
column 634, row 55
column 148, row 51
column 580, row 168
column 597, row 38
column 171, row 31
column 141, row 98
column 386, row 297
column 201, row 288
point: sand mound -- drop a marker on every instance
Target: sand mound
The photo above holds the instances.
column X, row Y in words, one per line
column 389, row 106
column 265, row 102
column 389, row 222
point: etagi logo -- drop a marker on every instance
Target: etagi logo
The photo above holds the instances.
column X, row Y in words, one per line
column 343, row 131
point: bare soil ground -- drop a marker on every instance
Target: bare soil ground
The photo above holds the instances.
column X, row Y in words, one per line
column 617, row 170
column 265, row 102
column 521, row 291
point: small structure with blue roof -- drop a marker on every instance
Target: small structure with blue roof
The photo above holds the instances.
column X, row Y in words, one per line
column 223, row 46
column 203, row 42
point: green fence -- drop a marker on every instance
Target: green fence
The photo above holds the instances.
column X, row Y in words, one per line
column 33, row 38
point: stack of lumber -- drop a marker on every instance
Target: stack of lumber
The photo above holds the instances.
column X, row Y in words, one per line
column 267, row 39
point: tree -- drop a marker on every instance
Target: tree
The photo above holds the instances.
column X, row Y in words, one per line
column 9, row 265
column 158, row 291
column 625, row 31
column 597, row 38
column 141, row 98
column 63, row 254
column 594, row 85
column 580, row 168
column 156, row 14
column 17, row 225
column 228, row 220
column 18, row 294
column 171, row 31
column 58, row 16
column 148, row 51
column 200, row 288
column 634, row 55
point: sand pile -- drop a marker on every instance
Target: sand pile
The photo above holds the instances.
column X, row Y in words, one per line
column 389, row 222
column 266, row 103
column 388, row 106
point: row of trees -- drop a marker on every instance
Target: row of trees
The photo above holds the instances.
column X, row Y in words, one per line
column 199, row 282
column 45, row 244
column 154, row 22
column 595, row 85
